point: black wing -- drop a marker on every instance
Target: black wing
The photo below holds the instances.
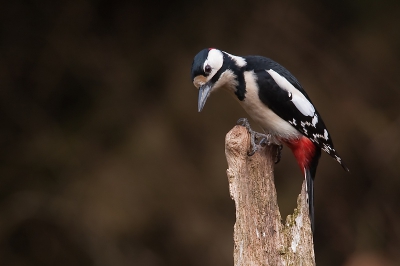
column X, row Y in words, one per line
column 279, row 100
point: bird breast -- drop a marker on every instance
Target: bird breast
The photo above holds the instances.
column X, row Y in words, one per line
column 269, row 121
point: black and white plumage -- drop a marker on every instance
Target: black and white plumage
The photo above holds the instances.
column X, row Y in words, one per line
column 274, row 99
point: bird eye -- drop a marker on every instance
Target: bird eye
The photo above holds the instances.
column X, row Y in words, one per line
column 207, row 69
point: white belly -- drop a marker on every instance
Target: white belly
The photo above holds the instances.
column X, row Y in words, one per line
column 261, row 114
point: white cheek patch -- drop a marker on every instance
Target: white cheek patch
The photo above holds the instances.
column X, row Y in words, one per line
column 298, row 99
column 215, row 60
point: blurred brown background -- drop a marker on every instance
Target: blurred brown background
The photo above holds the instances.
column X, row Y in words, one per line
column 105, row 160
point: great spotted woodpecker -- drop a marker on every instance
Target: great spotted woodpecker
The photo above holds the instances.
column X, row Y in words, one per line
column 274, row 99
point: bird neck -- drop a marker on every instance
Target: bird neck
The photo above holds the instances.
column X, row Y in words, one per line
column 240, row 91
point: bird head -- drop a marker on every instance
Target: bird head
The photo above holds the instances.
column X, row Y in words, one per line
column 213, row 69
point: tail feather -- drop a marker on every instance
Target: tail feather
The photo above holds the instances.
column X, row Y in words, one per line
column 310, row 172
column 310, row 194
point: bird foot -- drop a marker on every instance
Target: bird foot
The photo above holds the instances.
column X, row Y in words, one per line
column 256, row 139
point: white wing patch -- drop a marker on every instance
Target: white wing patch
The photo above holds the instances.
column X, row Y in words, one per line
column 315, row 120
column 298, row 99
column 293, row 122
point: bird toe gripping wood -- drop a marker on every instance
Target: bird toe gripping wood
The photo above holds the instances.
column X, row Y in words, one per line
column 257, row 139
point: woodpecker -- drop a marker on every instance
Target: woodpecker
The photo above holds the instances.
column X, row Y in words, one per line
column 275, row 100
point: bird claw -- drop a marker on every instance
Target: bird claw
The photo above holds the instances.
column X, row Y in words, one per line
column 244, row 122
column 264, row 142
column 278, row 154
column 256, row 139
column 251, row 153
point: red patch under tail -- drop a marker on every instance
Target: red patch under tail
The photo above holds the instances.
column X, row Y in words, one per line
column 304, row 151
column 307, row 156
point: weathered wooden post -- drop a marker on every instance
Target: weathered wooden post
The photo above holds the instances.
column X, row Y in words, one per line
column 260, row 238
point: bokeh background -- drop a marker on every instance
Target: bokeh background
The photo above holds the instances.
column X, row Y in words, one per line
column 105, row 160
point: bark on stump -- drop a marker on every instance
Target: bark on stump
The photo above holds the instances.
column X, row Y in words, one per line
column 260, row 238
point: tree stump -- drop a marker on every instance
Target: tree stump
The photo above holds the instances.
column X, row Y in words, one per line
column 260, row 238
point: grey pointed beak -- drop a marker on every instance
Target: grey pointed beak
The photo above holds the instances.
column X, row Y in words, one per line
column 204, row 92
